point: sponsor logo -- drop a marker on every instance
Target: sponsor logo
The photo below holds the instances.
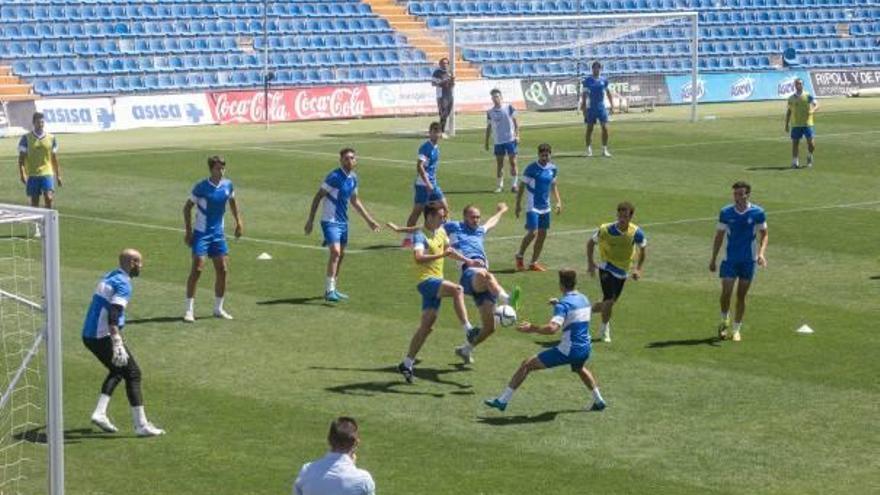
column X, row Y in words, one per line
column 536, row 94
column 687, row 90
column 68, row 116
column 156, row 112
column 786, row 87
column 194, row 113
column 249, row 107
column 4, row 121
column 106, row 118
column 742, row 88
column 340, row 102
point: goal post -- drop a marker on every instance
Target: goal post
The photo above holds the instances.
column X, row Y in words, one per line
column 629, row 45
column 30, row 349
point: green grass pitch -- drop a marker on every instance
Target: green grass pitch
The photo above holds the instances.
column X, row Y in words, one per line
column 246, row 402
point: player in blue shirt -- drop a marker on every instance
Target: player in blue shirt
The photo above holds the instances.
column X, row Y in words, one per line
column 102, row 335
column 207, row 238
column 595, row 89
column 571, row 315
column 742, row 223
column 538, row 180
column 339, row 188
column 427, row 190
column 502, row 122
column 468, row 237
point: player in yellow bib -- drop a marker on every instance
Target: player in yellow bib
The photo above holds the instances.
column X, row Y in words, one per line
column 799, row 118
column 617, row 247
column 38, row 163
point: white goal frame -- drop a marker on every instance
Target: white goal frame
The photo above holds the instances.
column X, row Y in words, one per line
column 47, row 220
column 456, row 22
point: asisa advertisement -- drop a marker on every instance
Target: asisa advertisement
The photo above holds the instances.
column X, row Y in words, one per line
column 734, row 86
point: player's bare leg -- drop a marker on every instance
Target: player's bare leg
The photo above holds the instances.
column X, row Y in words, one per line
column 449, row 289
column 588, row 140
column 221, row 268
column 795, row 151
column 536, row 252
column 499, row 173
column 742, row 289
column 48, row 199
column 526, row 241
column 334, row 265
column 412, row 220
column 514, row 173
column 605, row 151
column 811, row 147
column 198, row 264
column 726, row 293
column 593, row 386
column 527, row 366
column 426, row 326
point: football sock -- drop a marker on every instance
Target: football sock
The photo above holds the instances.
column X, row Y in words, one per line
column 101, row 408
column 503, row 296
column 597, row 397
column 467, row 326
column 468, row 347
column 408, row 362
column 330, row 284
column 218, row 304
column 138, row 416
column 605, row 327
column 725, row 315
column 190, row 303
column 506, row 395
column 737, row 325
column 500, row 182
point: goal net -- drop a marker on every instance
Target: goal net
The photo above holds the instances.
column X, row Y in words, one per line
column 551, row 55
column 31, row 433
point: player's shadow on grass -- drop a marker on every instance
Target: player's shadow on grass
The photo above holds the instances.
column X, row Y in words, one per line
column 875, row 277
column 311, row 300
column 522, row 419
column 711, row 341
column 380, row 247
column 398, row 386
column 155, row 319
column 505, row 271
column 76, row 435
column 475, row 191
column 779, row 168
column 547, row 344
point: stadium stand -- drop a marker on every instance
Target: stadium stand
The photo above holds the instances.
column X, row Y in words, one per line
column 71, row 47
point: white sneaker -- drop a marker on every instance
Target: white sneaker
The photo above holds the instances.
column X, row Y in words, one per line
column 499, row 189
column 589, row 152
column 514, row 189
column 465, row 355
column 103, row 422
column 445, row 136
column 148, row 430
column 189, row 317
column 220, row 313
column 606, row 153
column 809, row 161
column 605, row 336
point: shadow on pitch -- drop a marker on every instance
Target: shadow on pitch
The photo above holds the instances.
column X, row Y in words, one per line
column 155, row 319
column 505, row 271
column 479, row 191
column 380, row 247
column 547, row 344
column 298, row 301
column 77, row 435
column 522, row 419
column 398, row 386
column 711, row 341
column 779, row 168
column 875, row 277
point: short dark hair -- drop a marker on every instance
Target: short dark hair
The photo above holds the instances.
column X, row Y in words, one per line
column 495, row 91
column 435, row 126
column 742, row 184
column 37, row 116
column 215, row 160
column 544, row 147
column 626, row 205
column 345, row 151
column 442, row 59
column 433, row 207
column 343, row 434
column 468, row 207
column 567, row 278
column 596, row 63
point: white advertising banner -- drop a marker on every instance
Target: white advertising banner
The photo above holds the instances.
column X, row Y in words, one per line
column 414, row 98
column 77, row 115
column 175, row 110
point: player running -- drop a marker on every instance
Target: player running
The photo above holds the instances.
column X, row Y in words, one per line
column 801, row 106
column 338, row 189
column 539, row 180
column 426, row 188
column 617, row 244
column 430, row 247
column 502, row 122
column 571, row 315
column 38, row 164
column 102, row 335
column 207, row 238
column 740, row 222
column 595, row 89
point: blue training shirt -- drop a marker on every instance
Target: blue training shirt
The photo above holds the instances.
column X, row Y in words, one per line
column 538, row 181
column 210, row 201
column 572, row 313
column 467, row 241
column 430, row 154
column 595, row 88
column 340, row 187
column 742, row 229
column 113, row 288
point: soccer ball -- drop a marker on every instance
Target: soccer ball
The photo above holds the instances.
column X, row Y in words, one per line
column 505, row 315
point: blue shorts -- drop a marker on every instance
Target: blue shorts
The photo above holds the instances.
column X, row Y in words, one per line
column 535, row 220
column 209, row 244
column 594, row 114
column 39, row 184
column 422, row 197
column 335, row 233
column 737, row 269
column 802, row 132
column 430, row 291
column 506, row 149
column 576, row 358
column 467, row 283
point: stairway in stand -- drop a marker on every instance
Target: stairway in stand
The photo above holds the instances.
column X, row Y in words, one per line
column 12, row 88
column 419, row 36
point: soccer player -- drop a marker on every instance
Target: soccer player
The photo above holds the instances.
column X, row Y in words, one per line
column 336, row 473
column 539, row 179
column 741, row 223
column 444, row 81
column 467, row 237
column 338, row 189
column 595, row 89
column 801, row 106
column 38, row 163
column 207, row 238
column 571, row 315
column 503, row 124
column 427, row 190
column 102, row 335
column 617, row 244
column 430, row 247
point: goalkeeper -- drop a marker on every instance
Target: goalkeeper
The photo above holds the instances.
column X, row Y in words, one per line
column 102, row 335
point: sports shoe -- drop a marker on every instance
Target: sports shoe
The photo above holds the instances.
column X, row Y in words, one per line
column 515, row 298
column 406, row 372
column 537, row 267
column 331, row 296
column 514, row 189
column 103, row 422
column 606, row 154
column 148, row 430
column 736, row 336
column 465, row 355
column 472, row 334
column 341, row 296
column 794, row 165
column 445, row 136
column 520, row 266
column 722, row 329
column 189, row 317
column 605, row 335
column 589, row 152
column 598, row 405
column 809, row 161
column 407, row 242
column 222, row 314
column 496, row 404
column 499, row 189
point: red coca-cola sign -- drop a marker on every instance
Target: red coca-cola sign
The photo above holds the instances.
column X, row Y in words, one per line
column 236, row 107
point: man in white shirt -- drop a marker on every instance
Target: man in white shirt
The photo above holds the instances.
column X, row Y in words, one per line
column 335, row 473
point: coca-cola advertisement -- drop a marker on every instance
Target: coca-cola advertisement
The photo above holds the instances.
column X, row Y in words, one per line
column 288, row 105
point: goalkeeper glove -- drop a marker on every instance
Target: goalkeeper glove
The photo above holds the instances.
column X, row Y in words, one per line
column 120, row 355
